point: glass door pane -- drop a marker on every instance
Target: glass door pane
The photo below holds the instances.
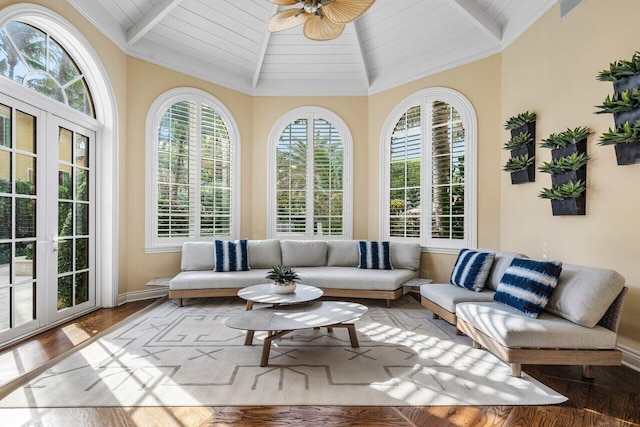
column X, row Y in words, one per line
column 18, row 219
column 75, row 219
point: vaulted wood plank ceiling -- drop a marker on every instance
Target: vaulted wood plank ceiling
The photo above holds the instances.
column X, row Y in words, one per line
column 226, row 41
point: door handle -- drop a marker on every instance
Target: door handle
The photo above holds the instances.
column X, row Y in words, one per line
column 54, row 242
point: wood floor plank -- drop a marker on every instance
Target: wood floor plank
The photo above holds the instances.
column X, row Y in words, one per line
column 612, row 398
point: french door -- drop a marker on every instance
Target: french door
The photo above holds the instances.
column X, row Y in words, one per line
column 47, row 218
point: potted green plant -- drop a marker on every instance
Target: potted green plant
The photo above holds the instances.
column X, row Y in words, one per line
column 626, row 139
column 565, row 143
column 520, row 144
column 623, row 74
column 521, row 168
column 625, row 106
column 565, row 169
column 283, row 279
column 522, row 123
column 566, row 199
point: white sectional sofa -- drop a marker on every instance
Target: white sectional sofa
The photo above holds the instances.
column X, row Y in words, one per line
column 577, row 327
column 331, row 265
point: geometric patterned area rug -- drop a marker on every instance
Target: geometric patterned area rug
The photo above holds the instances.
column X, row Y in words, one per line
column 186, row 356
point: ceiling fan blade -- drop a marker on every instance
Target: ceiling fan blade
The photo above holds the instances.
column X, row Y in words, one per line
column 283, row 2
column 317, row 28
column 286, row 19
column 345, row 11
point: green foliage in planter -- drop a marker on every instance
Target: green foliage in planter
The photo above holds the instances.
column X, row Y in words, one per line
column 565, row 164
column 569, row 190
column 518, row 163
column 626, row 134
column 568, row 137
column 621, row 69
column 520, row 120
column 282, row 275
column 519, row 141
column 622, row 102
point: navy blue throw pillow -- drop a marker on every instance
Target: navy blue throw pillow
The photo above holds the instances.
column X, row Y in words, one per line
column 231, row 255
column 374, row 255
column 472, row 269
column 527, row 285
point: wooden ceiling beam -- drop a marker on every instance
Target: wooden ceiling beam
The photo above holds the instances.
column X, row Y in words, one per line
column 485, row 22
column 150, row 20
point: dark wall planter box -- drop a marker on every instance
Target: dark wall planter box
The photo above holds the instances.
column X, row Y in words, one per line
column 573, row 206
column 524, row 175
column 528, row 127
column 580, row 147
column 527, row 149
column 563, row 178
column 628, row 154
column 632, row 82
column 629, row 116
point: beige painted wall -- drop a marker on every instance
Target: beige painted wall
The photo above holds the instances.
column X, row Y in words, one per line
column 480, row 83
column 146, row 82
column 268, row 110
column 551, row 70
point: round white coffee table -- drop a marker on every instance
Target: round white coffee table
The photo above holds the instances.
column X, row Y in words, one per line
column 283, row 319
column 264, row 294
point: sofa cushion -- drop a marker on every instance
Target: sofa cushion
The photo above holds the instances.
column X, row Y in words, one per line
column 447, row 296
column 472, row 269
column 342, row 253
column 513, row 329
column 374, row 255
column 264, row 253
column 355, row 278
column 527, row 285
column 405, row 255
column 584, row 294
column 197, row 256
column 231, row 255
column 217, row 280
column 304, row 253
column 501, row 261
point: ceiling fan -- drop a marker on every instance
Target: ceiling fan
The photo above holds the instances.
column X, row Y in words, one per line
column 322, row 19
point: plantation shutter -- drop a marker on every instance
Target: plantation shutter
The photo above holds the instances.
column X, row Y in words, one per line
column 405, row 172
column 176, row 183
column 291, row 179
column 447, row 174
column 328, row 172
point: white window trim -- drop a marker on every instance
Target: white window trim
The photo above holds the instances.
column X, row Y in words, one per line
column 470, row 123
column 106, row 123
column 153, row 244
column 336, row 121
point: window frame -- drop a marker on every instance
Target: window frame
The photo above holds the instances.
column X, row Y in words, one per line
column 425, row 98
column 310, row 113
column 153, row 243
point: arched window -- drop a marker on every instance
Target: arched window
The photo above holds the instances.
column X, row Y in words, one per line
column 193, row 170
column 310, row 176
column 428, row 171
column 32, row 58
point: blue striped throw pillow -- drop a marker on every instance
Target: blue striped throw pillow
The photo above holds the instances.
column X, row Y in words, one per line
column 374, row 255
column 231, row 255
column 527, row 285
column 472, row 269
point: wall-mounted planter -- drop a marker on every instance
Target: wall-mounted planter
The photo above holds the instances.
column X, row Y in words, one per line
column 632, row 82
column 563, row 178
column 628, row 154
column 630, row 116
column 524, row 175
column 527, row 149
column 572, row 206
column 527, row 127
column 580, row 147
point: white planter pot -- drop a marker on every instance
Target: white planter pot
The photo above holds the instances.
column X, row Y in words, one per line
column 283, row 289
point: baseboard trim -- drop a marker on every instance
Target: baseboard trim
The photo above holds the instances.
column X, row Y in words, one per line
column 142, row 295
column 630, row 357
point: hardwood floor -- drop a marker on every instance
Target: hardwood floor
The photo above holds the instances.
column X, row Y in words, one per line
column 611, row 399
